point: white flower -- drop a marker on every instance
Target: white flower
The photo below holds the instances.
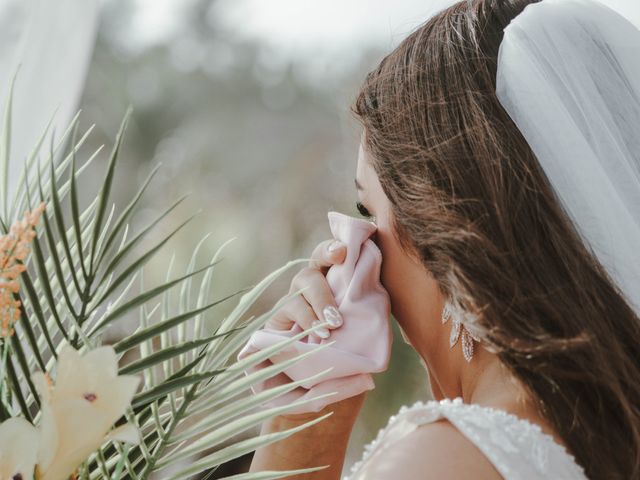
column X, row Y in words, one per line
column 78, row 412
column 19, row 441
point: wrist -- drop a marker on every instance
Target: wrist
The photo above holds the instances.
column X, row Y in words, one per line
column 346, row 409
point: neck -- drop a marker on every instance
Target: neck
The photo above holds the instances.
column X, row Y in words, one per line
column 486, row 381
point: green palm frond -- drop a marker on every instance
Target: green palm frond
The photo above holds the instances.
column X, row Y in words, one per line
column 85, row 274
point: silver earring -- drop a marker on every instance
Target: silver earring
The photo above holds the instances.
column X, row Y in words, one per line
column 458, row 330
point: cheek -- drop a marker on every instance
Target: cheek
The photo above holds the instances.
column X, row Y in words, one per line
column 393, row 272
column 412, row 291
column 395, row 263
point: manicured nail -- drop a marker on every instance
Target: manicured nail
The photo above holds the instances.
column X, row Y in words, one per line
column 321, row 332
column 333, row 246
column 332, row 316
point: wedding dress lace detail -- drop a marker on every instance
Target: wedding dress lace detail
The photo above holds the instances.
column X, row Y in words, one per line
column 517, row 448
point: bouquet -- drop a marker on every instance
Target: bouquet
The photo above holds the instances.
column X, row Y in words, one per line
column 71, row 407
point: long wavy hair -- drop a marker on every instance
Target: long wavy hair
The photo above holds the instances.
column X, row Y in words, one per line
column 470, row 200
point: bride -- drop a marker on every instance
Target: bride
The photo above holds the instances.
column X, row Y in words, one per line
column 500, row 159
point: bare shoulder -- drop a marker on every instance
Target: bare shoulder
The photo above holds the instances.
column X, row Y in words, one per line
column 432, row 451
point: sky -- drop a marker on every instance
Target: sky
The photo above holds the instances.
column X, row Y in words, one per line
column 294, row 24
column 293, row 27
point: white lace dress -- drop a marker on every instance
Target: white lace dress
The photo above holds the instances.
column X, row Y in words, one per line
column 517, row 448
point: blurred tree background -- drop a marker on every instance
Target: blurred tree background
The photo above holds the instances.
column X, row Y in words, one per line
column 246, row 106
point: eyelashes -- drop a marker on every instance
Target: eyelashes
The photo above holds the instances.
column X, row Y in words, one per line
column 363, row 211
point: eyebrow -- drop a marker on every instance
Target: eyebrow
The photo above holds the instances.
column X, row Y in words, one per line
column 358, row 186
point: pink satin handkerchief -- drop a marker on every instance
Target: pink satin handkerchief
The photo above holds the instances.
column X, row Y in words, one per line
column 363, row 342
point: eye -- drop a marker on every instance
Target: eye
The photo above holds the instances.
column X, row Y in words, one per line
column 363, row 211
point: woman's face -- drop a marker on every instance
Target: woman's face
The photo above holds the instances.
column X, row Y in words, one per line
column 416, row 302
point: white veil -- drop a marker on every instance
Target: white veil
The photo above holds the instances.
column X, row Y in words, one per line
column 569, row 77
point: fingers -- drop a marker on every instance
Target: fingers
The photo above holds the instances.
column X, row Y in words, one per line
column 318, row 295
column 315, row 304
column 326, row 254
column 297, row 310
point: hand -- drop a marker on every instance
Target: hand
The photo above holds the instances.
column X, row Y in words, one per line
column 316, row 303
column 324, row 443
column 308, row 307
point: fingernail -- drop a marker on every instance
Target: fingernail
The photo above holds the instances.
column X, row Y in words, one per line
column 333, row 246
column 332, row 316
column 321, row 332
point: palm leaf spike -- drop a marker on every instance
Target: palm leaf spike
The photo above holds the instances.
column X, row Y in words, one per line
column 155, row 358
column 49, row 262
column 5, row 151
column 142, row 259
column 185, row 290
column 51, row 241
column 146, row 348
column 124, row 216
column 133, row 420
column 236, row 370
column 166, row 324
column 60, row 166
column 76, row 296
column 165, row 340
column 138, row 300
column 234, row 381
column 214, row 416
column 28, row 328
column 232, row 428
column 85, row 222
column 106, row 190
column 227, row 349
column 105, row 228
column 241, row 448
column 37, row 304
column 19, row 194
column 65, row 187
column 75, row 209
column 97, row 297
column 202, row 300
column 206, row 287
column 26, row 325
column 165, row 337
column 213, row 357
column 126, row 248
column 46, row 285
column 183, row 371
column 220, row 414
column 16, row 390
column 104, row 284
column 117, row 474
column 60, row 223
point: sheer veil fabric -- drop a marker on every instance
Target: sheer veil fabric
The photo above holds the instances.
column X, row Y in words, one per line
column 569, row 77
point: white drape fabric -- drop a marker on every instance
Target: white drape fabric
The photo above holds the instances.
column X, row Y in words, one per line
column 52, row 43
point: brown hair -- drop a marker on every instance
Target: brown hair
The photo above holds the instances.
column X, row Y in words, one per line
column 470, row 200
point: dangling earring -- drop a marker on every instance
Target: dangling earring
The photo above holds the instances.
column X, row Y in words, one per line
column 458, row 330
